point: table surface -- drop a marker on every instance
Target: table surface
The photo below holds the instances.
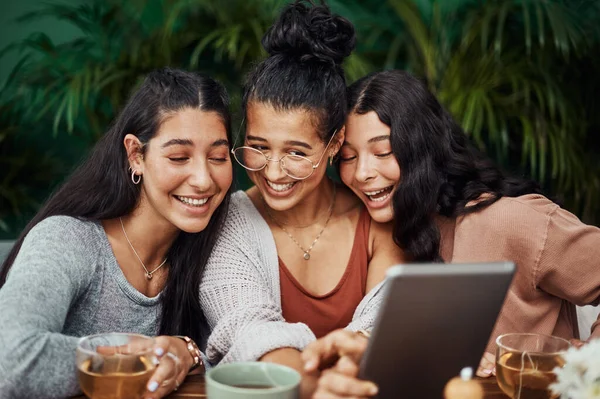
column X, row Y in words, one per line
column 193, row 387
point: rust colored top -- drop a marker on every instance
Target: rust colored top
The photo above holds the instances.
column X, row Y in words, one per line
column 557, row 258
column 325, row 313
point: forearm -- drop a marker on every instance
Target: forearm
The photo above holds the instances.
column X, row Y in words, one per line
column 291, row 357
column 43, row 365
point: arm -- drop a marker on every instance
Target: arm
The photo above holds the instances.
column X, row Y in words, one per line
column 47, row 277
column 292, row 357
column 570, row 261
column 240, row 296
column 384, row 253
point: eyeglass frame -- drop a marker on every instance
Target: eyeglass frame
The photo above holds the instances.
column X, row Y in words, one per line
column 269, row 159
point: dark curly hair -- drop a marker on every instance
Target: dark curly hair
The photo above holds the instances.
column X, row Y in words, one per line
column 306, row 46
column 441, row 170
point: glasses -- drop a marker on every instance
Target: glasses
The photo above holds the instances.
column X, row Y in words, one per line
column 295, row 166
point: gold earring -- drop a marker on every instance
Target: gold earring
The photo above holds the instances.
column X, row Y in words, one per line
column 330, row 160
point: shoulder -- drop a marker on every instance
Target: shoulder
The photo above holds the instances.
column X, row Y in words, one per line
column 242, row 213
column 244, row 227
column 508, row 213
column 65, row 230
column 64, row 243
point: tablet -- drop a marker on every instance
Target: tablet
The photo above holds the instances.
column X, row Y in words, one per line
column 435, row 319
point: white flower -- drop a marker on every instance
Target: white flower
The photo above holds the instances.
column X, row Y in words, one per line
column 579, row 378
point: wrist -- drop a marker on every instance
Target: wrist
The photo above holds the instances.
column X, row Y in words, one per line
column 194, row 352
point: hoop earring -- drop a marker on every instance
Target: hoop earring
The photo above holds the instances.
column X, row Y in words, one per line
column 133, row 176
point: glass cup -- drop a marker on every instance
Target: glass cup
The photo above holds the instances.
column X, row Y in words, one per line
column 118, row 365
column 524, row 364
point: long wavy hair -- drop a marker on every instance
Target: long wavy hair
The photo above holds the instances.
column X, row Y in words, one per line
column 441, row 171
column 306, row 46
column 101, row 188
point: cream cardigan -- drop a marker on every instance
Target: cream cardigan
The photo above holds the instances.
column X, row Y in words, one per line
column 240, row 292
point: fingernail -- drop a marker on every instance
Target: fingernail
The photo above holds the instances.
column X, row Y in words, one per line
column 152, row 386
column 373, row 390
column 309, row 365
column 487, row 372
column 159, row 351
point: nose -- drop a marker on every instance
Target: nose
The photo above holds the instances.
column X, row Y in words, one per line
column 273, row 171
column 364, row 170
column 200, row 177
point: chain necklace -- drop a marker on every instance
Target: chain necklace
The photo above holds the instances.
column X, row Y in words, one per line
column 306, row 251
column 148, row 273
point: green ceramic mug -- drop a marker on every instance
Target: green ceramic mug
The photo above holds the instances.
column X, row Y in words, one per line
column 252, row 379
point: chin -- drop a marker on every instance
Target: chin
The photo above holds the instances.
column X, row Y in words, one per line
column 193, row 227
column 382, row 215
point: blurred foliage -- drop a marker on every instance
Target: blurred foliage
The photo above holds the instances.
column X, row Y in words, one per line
column 519, row 75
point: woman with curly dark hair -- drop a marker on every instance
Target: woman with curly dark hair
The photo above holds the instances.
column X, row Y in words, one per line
column 411, row 164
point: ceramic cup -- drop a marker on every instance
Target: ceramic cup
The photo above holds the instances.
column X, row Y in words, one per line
column 252, row 379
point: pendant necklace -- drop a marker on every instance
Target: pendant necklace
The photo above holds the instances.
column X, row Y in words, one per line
column 148, row 273
column 306, row 251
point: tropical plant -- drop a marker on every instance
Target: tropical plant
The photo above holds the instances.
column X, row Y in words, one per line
column 76, row 87
column 503, row 67
column 500, row 66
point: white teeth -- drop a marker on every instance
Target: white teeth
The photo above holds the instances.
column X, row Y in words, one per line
column 380, row 198
column 280, row 187
column 192, row 201
column 369, row 193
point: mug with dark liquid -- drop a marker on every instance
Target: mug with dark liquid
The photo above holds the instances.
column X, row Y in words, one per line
column 524, row 364
column 116, row 365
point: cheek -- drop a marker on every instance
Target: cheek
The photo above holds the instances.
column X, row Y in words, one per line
column 392, row 171
column 347, row 173
column 223, row 177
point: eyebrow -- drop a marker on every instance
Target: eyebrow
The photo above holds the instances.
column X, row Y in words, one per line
column 188, row 142
column 287, row 142
column 220, row 142
column 177, row 142
column 379, row 138
column 372, row 140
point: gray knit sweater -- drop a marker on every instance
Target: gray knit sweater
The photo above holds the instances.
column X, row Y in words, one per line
column 65, row 283
column 240, row 292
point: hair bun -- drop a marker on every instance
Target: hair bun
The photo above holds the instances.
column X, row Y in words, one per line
column 310, row 32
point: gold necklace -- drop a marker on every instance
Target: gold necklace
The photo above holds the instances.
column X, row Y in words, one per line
column 305, row 251
column 148, row 273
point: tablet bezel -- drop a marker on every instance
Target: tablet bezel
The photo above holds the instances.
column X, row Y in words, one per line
column 482, row 289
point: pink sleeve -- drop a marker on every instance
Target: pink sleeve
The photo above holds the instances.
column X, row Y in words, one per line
column 569, row 265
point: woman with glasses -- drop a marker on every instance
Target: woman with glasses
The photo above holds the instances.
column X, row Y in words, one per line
column 298, row 256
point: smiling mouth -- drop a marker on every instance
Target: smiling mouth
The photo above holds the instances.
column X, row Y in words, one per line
column 192, row 201
column 379, row 195
column 280, row 187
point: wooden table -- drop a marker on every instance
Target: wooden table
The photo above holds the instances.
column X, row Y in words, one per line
column 193, row 387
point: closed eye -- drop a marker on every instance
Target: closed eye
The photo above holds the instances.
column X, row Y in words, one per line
column 387, row 154
column 347, row 159
column 178, row 159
